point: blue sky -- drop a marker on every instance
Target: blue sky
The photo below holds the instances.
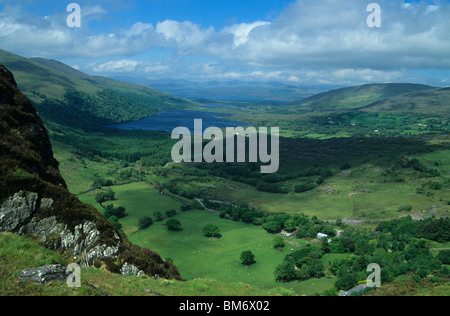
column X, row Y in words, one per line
column 301, row 42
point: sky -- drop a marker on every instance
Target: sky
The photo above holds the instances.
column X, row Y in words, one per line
column 301, row 42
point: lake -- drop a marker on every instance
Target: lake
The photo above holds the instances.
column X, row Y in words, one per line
column 168, row 120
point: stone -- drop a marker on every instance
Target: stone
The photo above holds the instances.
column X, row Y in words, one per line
column 129, row 269
column 45, row 227
column 82, row 238
column 44, row 274
column 101, row 252
column 17, row 211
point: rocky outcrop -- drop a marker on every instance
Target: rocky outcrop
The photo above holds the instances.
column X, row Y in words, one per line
column 16, row 215
column 44, row 228
column 45, row 274
column 129, row 269
column 17, row 210
column 34, row 199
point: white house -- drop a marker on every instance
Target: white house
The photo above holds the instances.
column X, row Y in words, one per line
column 320, row 236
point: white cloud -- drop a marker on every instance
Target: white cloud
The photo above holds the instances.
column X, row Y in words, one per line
column 116, row 66
column 327, row 33
column 242, row 31
column 321, row 41
column 183, row 35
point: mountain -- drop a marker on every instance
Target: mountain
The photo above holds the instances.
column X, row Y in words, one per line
column 65, row 95
column 436, row 101
column 359, row 97
column 34, row 199
column 233, row 90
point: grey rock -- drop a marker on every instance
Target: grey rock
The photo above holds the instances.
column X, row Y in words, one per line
column 82, row 238
column 129, row 269
column 17, row 210
column 45, row 227
column 44, row 274
column 67, row 239
column 102, row 252
column 16, row 215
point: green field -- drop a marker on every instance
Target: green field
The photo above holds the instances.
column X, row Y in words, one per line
column 19, row 252
column 197, row 256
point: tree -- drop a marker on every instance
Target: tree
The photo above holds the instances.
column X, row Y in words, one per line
column 289, row 225
column 278, row 242
column 285, row 272
column 325, row 245
column 211, row 230
column 272, row 227
column 145, row 222
column 247, row 258
column 304, row 187
column 173, row 224
column 248, row 216
column 119, row 212
column 158, row 216
column 347, row 281
column 104, row 196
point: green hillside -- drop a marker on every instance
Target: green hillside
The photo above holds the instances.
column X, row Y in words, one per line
column 435, row 101
column 357, row 97
column 19, row 252
column 65, row 95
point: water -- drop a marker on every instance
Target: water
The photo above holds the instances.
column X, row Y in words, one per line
column 168, row 120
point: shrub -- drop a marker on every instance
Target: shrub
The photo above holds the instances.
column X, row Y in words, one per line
column 158, row 216
column 278, row 242
column 247, row 258
column 305, row 187
column 145, row 222
column 211, row 230
column 119, row 212
column 272, row 227
column 405, row 208
column 104, row 196
column 173, row 225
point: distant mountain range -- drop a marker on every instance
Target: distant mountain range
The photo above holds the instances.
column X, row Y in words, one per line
column 233, row 90
column 67, row 96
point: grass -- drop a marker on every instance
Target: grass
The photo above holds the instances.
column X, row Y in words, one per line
column 80, row 172
column 141, row 200
column 196, row 256
column 217, row 259
column 18, row 253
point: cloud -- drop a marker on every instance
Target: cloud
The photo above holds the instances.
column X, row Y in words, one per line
column 183, row 35
column 242, row 31
column 329, row 33
column 116, row 66
column 321, row 41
